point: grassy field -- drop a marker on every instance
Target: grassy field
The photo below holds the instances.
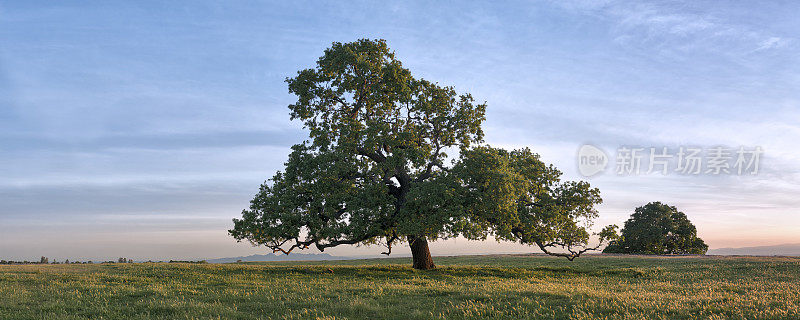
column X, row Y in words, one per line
column 501, row 287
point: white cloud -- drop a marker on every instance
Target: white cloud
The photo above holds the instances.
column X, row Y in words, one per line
column 670, row 28
column 773, row 42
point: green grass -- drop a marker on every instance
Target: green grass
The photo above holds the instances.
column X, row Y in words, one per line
column 502, row 287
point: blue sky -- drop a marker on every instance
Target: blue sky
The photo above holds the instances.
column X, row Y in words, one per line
column 141, row 129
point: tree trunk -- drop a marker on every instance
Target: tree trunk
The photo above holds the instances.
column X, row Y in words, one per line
column 421, row 253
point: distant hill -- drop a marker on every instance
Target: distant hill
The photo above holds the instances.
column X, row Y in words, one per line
column 792, row 249
column 280, row 257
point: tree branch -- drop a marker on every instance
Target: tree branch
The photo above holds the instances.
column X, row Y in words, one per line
column 573, row 253
column 389, row 242
column 374, row 156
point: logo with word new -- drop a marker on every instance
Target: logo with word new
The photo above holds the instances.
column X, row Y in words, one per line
column 591, row 160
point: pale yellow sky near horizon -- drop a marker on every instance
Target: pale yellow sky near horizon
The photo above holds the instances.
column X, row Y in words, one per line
column 191, row 245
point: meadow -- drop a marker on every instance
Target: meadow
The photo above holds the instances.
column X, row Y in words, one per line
column 466, row 287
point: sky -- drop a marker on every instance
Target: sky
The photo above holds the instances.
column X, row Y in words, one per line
column 140, row 129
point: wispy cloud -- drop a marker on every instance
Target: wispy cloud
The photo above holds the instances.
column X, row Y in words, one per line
column 773, row 43
column 680, row 27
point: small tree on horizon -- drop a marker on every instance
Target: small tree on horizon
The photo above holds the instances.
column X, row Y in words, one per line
column 375, row 169
column 658, row 228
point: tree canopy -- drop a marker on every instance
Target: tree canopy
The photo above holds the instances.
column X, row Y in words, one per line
column 392, row 158
column 657, row 228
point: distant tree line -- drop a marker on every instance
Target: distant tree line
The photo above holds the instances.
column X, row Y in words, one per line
column 46, row 260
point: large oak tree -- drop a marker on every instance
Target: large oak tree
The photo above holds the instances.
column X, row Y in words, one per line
column 392, row 158
column 658, row 228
